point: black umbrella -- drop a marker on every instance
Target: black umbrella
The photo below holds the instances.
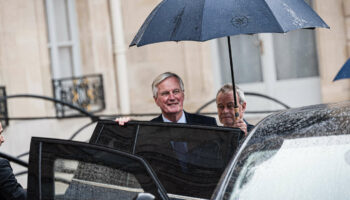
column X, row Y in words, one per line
column 201, row 20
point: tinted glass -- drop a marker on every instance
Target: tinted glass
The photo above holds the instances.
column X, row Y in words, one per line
column 299, row 154
column 72, row 170
column 81, row 180
column 187, row 159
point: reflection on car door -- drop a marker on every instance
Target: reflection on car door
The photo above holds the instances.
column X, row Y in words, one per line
column 60, row 169
column 187, row 159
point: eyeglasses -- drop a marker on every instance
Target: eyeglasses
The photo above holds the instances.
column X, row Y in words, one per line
column 175, row 92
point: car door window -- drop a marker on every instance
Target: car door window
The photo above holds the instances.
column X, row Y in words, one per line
column 60, row 169
column 187, row 159
column 82, row 180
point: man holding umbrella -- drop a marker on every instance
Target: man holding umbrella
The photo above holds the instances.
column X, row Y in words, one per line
column 168, row 93
column 226, row 112
column 203, row 20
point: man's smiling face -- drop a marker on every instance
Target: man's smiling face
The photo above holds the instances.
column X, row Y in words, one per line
column 170, row 97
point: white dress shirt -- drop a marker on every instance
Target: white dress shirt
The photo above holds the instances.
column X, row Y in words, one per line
column 181, row 120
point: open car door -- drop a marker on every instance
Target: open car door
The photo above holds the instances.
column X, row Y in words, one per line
column 60, row 169
column 187, row 159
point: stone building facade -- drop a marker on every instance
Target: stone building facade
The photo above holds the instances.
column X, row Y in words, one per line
column 92, row 37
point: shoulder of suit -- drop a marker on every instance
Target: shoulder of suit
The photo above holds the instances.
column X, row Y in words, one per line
column 4, row 162
column 156, row 119
column 199, row 115
column 200, row 119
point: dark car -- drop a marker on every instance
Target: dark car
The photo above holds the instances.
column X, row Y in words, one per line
column 301, row 153
column 179, row 161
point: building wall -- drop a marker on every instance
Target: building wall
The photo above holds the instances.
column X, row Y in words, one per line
column 25, row 62
column 24, row 35
column 190, row 60
column 24, row 58
column 96, row 45
column 333, row 48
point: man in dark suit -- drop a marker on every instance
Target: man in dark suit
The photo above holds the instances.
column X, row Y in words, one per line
column 10, row 189
column 226, row 112
column 168, row 94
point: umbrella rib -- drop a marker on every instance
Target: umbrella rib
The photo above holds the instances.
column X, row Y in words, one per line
column 142, row 31
column 267, row 5
column 201, row 25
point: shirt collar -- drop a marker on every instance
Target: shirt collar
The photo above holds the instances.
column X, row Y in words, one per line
column 181, row 120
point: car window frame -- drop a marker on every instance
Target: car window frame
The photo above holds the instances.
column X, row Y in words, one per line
column 39, row 148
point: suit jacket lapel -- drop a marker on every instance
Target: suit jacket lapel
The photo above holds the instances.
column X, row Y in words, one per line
column 188, row 118
column 158, row 119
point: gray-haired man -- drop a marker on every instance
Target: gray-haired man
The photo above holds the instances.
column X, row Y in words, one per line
column 168, row 94
column 225, row 106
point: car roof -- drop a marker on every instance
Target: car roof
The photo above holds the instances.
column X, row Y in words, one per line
column 321, row 119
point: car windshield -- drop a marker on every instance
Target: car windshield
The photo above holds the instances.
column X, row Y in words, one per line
column 299, row 154
column 305, row 168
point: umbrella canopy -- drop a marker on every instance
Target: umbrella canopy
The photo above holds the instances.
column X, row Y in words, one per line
column 201, row 20
column 344, row 72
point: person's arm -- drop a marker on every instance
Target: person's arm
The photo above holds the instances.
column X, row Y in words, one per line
column 10, row 189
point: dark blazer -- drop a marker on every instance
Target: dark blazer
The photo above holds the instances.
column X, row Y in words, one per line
column 193, row 119
column 9, row 187
column 249, row 126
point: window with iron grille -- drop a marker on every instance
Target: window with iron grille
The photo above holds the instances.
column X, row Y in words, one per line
column 85, row 92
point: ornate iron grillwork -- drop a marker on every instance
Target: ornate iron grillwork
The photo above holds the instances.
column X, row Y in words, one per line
column 85, row 92
column 3, row 108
